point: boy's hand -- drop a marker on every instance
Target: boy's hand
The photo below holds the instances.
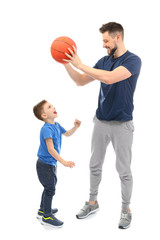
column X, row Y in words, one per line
column 77, row 123
column 69, row 164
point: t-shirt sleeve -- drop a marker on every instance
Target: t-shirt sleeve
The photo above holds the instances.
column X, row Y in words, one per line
column 62, row 129
column 46, row 133
column 133, row 64
column 96, row 65
column 100, row 63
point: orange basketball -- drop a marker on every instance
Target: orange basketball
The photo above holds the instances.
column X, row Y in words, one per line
column 60, row 46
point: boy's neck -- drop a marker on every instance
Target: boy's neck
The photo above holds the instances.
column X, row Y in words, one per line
column 50, row 121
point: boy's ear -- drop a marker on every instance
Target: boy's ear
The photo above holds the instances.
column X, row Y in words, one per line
column 43, row 115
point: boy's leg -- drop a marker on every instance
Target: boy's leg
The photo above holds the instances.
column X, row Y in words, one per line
column 47, row 177
column 42, row 200
column 122, row 143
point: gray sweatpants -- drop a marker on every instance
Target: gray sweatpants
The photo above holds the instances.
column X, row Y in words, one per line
column 121, row 136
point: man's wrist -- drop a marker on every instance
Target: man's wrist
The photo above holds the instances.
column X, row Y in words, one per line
column 81, row 66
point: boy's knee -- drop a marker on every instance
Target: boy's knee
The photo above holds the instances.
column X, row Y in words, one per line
column 50, row 192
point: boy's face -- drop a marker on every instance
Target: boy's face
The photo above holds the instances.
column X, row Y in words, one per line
column 49, row 112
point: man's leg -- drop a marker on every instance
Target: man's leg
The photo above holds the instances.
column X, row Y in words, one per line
column 100, row 141
column 122, row 143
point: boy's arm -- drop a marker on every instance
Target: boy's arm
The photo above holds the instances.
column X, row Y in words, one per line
column 53, row 152
column 77, row 124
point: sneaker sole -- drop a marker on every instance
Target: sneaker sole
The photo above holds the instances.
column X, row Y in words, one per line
column 82, row 217
column 50, row 225
column 39, row 217
column 120, row 227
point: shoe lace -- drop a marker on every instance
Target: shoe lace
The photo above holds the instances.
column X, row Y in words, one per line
column 124, row 215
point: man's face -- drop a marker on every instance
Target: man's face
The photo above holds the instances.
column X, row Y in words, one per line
column 49, row 111
column 109, row 42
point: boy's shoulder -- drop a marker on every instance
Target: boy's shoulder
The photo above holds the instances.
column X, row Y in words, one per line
column 50, row 126
column 45, row 127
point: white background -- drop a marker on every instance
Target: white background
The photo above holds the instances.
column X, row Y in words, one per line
column 29, row 74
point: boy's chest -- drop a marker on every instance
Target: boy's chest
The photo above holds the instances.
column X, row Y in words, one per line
column 56, row 134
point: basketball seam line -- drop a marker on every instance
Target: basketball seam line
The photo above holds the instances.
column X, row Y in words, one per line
column 57, row 50
column 64, row 42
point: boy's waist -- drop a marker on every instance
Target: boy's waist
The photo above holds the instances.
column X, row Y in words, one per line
column 52, row 162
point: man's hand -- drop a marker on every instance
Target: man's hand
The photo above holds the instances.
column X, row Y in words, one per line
column 73, row 58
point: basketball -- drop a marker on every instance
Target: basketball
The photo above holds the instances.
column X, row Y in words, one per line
column 60, row 46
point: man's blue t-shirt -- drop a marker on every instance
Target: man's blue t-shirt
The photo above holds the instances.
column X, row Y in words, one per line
column 116, row 100
column 55, row 132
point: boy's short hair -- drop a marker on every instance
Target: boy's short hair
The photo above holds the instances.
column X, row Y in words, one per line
column 38, row 109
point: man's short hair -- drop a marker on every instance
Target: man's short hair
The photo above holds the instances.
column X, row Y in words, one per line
column 112, row 28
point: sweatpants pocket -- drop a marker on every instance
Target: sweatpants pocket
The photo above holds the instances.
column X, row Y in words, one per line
column 129, row 126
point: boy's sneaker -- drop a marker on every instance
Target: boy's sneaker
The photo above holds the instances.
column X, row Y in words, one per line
column 87, row 210
column 41, row 213
column 51, row 222
column 125, row 220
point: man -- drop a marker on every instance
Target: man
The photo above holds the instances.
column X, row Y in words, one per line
column 118, row 73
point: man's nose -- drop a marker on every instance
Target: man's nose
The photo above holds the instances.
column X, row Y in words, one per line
column 104, row 45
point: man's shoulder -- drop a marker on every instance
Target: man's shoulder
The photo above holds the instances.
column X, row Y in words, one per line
column 130, row 55
column 102, row 61
column 104, row 58
column 132, row 62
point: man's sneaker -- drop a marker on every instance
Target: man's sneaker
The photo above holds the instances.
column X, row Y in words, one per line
column 87, row 210
column 41, row 213
column 125, row 220
column 51, row 222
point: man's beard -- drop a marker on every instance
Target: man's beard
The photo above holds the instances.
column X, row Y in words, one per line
column 113, row 51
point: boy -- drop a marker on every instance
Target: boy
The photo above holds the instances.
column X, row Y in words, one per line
column 48, row 155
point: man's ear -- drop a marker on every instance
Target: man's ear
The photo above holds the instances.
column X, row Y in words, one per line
column 118, row 37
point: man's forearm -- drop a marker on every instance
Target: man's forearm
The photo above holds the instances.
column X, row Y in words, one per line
column 101, row 75
column 76, row 76
column 108, row 77
column 80, row 79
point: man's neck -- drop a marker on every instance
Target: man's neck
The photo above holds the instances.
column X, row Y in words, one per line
column 119, row 52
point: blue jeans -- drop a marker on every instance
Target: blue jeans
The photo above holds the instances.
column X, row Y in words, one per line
column 47, row 177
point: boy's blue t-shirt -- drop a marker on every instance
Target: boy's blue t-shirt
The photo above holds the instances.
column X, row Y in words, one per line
column 55, row 132
column 116, row 100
